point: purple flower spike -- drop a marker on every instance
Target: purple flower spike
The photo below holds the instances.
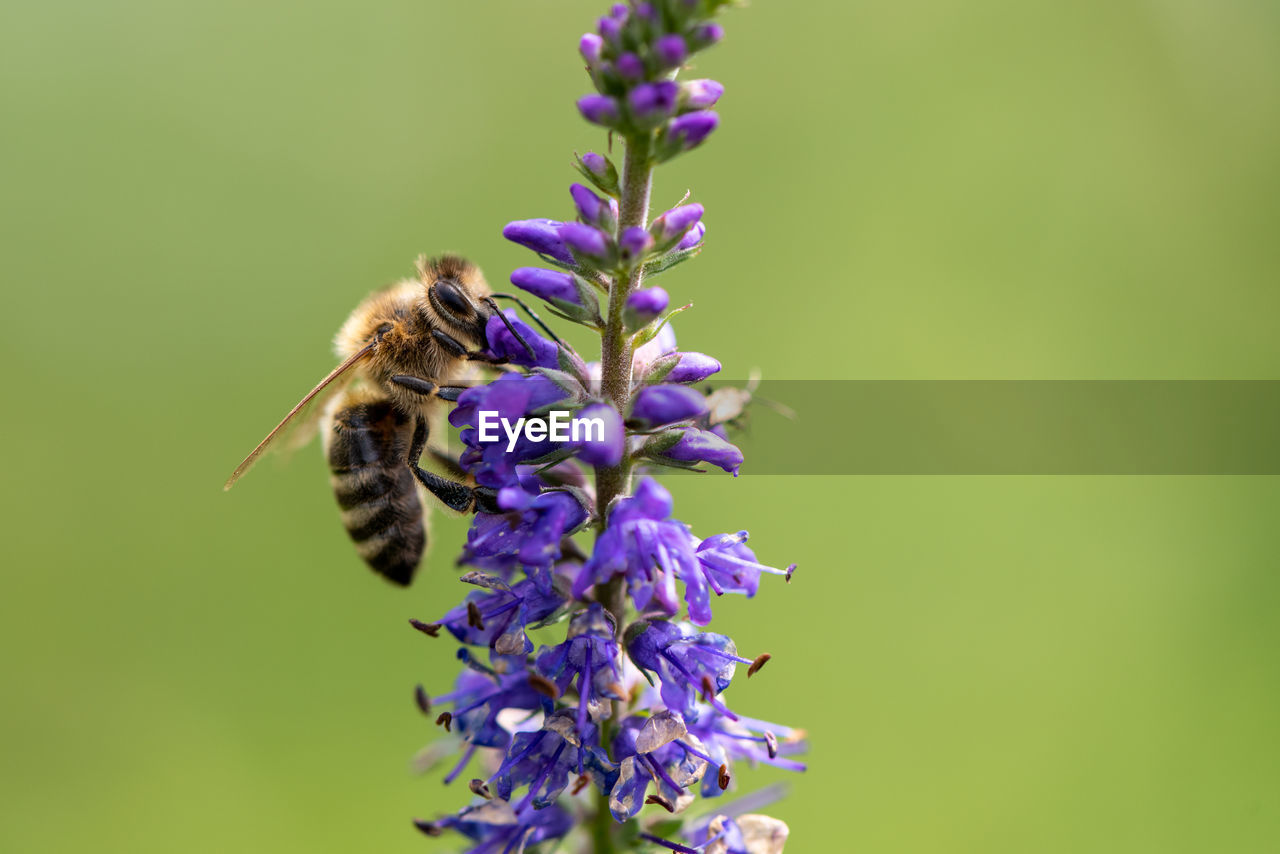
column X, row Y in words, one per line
column 700, row 94
column 690, row 130
column 630, row 66
column 546, row 284
column 647, row 305
column 667, row 404
column 672, row 226
column 693, row 368
column 650, row 103
column 540, row 235
column 635, row 242
column 587, row 241
column 599, row 109
column 591, row 46
column 670, row 50
column 702, row 446
column 693, row 236
column 552, row 691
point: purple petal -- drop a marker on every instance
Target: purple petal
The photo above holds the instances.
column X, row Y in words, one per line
column 667, row 404
column 546, row 284
column 599, row 109
column 702, row 446
column 540, row 235
column 693, row 368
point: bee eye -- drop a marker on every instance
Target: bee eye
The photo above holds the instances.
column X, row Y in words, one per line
column 452, row 298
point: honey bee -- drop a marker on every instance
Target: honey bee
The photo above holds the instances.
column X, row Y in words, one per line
column 402, row 349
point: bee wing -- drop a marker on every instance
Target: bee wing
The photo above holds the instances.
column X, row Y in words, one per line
column 292, row 417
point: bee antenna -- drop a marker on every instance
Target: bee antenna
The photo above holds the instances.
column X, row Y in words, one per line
column 507, row 323
column 532, row 315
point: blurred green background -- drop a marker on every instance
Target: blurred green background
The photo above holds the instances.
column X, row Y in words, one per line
column 196, row 194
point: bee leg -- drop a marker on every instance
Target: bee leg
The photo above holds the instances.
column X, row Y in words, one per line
column 428, row 389
column 456, row 348
column 449, row 343
column 456, row 496
column 448, row 463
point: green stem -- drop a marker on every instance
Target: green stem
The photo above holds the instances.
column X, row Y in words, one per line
column 602, row 828
column 615, row 345
column 615, row 385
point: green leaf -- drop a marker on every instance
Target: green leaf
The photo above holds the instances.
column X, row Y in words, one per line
column 644, row 336
column 665, row 262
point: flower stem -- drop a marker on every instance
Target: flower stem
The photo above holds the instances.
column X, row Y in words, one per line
column 615, row 345
column 602, row 827
column 615, row 385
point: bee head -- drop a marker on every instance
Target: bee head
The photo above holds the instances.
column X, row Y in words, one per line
column 455, row 293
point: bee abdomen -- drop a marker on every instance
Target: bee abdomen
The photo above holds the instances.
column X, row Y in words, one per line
column 376, row 492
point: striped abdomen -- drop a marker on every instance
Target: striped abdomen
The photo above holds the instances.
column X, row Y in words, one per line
column 376, row 491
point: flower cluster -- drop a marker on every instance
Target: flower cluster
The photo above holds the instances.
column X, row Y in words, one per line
column 588, row 688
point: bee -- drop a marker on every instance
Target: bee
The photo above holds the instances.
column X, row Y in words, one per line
column 403, row 349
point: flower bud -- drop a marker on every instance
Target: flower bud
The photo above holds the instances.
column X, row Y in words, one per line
column 540, row 235
column 587, row 242
column 630, row 67
column 601, row 110
column 606, row 450
column 691, row 129
column 546, row 284
column 705, row 36
column 635, row 243
column 667, row 404
column 693, row 368
column 599, row 170
column 503, row 345
column 619, row 11
column 611, row 30
column 671, row 227
column 701, row 446
column 591, row 46
column 670, row 51
column 700, row 94
column 651, row 103
column 592, row 209
column 692, row 237
column 643, row 307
